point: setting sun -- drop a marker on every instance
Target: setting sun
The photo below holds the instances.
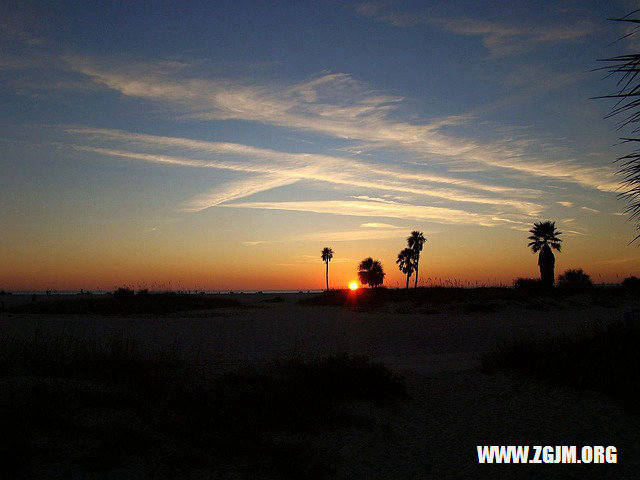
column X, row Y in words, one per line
column 353, row 286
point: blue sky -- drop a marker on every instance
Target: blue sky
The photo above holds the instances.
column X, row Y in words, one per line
column 154, row 134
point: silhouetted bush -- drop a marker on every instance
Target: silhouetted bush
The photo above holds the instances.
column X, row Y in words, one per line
column 123, row 292
column 631, row 283
column 143, row 291
column 575, row 280
column 605, row 359
column 182, row 419
column 527, row 283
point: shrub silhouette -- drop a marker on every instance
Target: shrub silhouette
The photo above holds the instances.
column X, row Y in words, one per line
column 575, row 279
column 632, row 283
column 370, row 272
column 123, row 292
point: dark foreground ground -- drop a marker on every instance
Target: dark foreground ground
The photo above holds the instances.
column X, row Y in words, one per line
column 259, row 388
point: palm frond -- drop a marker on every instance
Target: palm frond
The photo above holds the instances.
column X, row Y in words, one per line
column 544, row 233
column 627, row 68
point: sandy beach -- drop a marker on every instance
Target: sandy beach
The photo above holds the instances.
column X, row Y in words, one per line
column 264, row 331
column 452, row 407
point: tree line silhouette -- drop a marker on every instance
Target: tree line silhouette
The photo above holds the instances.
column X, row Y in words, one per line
column 544, row 238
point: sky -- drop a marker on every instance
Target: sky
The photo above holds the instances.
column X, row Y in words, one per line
column 221, row 145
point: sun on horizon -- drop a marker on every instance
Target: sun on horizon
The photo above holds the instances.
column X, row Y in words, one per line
column 353, row 286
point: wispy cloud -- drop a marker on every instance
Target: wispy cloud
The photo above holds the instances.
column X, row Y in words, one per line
column 15, row 29
column 379, row 225
column 282, row 168
column 317, row 258
column 353, row 235
column 618, row 261
column 339, row 106
column 376, row 209
column 565, row 204
column 499, row 38
column 373, row 199
column 235, row 190
column 592, row 210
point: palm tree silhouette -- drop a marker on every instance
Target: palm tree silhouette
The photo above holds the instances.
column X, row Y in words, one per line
column 544, row 237
column 327, row 255
column 406, row 264
column 370, row 272
column 416, row 241
column 626, row 68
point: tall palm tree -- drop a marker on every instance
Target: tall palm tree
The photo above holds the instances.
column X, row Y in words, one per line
column 416, row 241
column 327, row 255
column 544, row 237
column 406, row 264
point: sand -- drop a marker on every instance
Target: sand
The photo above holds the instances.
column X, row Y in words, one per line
column 453, row 406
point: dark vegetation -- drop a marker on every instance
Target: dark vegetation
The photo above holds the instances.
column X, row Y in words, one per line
column 408, row 260
column 123, row 301
column 544, row 239
column 327, row 255
column 626, row 68
column 631, row 283
column 527, row 284
column 73, row 407
column 575, row 279
column 527, row 293
column 371, row 272
column 603, row 359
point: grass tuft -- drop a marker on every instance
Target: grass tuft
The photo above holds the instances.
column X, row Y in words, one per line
column 602, row 359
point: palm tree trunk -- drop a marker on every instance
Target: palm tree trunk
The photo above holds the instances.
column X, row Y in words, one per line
column 407, row 285
column 417, row 265
column 327, row 275
column 546, row 262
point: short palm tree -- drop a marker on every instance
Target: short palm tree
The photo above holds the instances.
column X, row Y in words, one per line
column 406, row 264
column 370, row 272
column 327, row 255
column 415, row 242
column 544, row 237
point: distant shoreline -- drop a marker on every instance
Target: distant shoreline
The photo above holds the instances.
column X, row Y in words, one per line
column 251, row 291
column 187, row 292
